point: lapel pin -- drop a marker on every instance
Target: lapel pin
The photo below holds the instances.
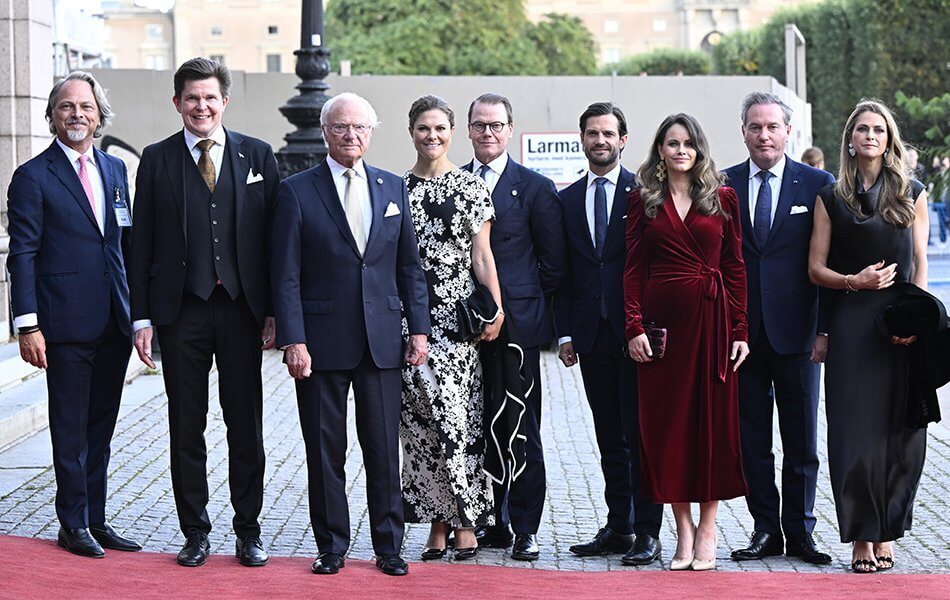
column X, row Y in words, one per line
column 241, row 155
column 379, row 180
column 514, row 192
column 626, row 189
column 794, row 181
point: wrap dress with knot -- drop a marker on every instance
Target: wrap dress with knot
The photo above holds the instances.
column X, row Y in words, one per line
column 687, row 275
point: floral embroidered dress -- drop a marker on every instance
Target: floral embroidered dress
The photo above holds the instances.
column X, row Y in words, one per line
column 441, row 424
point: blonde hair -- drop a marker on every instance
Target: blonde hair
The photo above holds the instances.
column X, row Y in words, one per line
column 894, row 201
column 706, row 180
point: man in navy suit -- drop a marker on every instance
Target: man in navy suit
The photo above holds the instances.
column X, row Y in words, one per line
column 527, row 240
column 777, row 202
column 198, row 274
column 345, row 271
column 589, row 316
column 69, row 223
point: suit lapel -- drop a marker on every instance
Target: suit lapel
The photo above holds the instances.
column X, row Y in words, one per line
column 377, row 198
column 326, row 190
column 625, row 184
column 64, row 171
column 110, row 183
column 575, row 206
column 791, row 184
column 506, row 190
column 741, row 186
column 234, row 152
column 175, row 154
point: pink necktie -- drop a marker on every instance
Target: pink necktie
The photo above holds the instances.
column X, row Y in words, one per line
column 84, row 180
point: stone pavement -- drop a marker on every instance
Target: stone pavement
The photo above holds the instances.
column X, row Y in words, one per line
column 141, row 502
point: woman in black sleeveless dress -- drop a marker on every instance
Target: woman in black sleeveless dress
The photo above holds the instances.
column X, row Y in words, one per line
column 870, row 231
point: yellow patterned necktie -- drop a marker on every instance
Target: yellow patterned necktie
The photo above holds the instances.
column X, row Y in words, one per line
column 205, row 164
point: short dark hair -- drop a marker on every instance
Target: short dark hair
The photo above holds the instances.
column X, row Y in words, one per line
column 427, row 103
column 199, row 69
column 601, row 109
column 491, row 99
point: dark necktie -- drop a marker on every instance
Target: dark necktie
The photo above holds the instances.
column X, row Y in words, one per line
column 762, row 223
column 483, row 172
column 600, row 229
column 205, row 164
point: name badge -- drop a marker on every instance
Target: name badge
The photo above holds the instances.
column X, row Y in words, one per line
column 122, row 215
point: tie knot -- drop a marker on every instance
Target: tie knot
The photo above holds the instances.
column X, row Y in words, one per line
column 349, row 174
column 765, row 176
column 205, row 145
column 83, row 159
column 600, row 182
column 483, row 171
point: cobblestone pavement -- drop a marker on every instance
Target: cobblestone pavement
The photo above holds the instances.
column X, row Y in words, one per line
column 141, row 503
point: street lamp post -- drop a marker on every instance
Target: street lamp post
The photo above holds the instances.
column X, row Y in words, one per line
column 306, row 146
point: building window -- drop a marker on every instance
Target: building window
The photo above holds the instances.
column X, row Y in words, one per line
column 216, row 31
column 659, row 25
column 153, row 31
column 273, row 63
column 272, row 30
column 218, row 58
column 155, row 62
column 611, row 26
column 612, row 55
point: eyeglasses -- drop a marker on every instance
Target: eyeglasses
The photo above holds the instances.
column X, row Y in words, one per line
column 495, row 126
column 342, row 128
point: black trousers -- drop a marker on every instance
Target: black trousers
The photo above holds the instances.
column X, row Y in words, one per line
column 789, row 381
column 223, row 330
column 522, row 504
column 84, row 383
column 610, row 380
column 321, row 402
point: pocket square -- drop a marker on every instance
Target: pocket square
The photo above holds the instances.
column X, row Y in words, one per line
column 253, row 177
column 391, row 210
column 798, row 210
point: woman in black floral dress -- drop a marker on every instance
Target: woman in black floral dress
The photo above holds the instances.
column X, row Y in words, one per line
column 441, row 428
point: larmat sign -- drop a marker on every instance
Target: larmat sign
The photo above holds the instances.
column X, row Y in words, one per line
column 557, row 156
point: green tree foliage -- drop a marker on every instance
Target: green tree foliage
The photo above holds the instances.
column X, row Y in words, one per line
column 928, row 128
column 444, row 37
column 738, row 54
column 663, row 61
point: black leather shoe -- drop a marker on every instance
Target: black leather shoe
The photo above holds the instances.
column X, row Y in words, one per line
column 526, row 547
column 392, row 564
column 464, row 553
column 108, row 538
column 80, row 542
column 328, row 563
column 646, row 549
column 494, row 536
column 250, row 551
column 761, row 545
column 606, row 541
column 804, row 547
column 196, row 549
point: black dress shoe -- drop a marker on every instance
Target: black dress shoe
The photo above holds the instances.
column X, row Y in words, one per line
column 526, row 547
column 392, row 564
column 607, row 541
column 804, row 547
column 196, row 549
column 80, row 542
column 108, row 538
column 328, row 563
column 464, row 553
column 646, row 549
column 494, row 536
column 761, row 545
column 250, row 551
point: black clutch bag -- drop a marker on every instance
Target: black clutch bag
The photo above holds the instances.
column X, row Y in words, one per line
column 657, row 338
column 473, row 312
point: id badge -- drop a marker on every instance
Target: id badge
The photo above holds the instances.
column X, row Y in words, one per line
column 122, row 215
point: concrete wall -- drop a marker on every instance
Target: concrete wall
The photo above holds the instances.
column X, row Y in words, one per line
column 142, row 102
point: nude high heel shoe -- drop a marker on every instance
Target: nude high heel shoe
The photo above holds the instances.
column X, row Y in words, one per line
column 703, row 565
column 681, row 564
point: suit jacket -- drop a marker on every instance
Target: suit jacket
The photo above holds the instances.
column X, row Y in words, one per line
column 527, row 239
column 159, row 243
column 781, row 298
column 577, row 304
column 61, row 266
column 325, row 294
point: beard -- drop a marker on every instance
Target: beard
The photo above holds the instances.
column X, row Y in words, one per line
column 608, row 160
column 77, row 135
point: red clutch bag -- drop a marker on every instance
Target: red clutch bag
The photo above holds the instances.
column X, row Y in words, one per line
column 657, row 338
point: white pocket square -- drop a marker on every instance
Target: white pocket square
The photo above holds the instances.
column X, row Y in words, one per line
column 798, row 210
column 253, row 177
column 391, row 210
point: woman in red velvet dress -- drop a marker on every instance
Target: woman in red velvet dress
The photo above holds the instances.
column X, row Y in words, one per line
column 684, row 272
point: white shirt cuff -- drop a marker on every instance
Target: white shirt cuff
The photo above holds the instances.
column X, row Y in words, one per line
column 563, row 340
column 141, row 324
column 27, row 320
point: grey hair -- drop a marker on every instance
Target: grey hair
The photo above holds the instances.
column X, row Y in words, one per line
column 765, row 98
column 348, row 96
column 105, row 110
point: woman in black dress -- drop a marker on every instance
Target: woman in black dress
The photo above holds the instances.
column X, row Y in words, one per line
column 870, row 230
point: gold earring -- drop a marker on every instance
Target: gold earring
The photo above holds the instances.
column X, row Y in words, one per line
column 661, row 170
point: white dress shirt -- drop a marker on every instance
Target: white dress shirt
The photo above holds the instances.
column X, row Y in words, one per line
column 496, row 168
column 775, row 184
column 359, row 185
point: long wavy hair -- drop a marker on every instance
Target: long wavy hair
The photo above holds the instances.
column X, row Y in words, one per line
column 894, row 201
column 706, row 180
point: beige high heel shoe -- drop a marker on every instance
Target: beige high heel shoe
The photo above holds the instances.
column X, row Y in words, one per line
column 681, row 564
column 703, row 565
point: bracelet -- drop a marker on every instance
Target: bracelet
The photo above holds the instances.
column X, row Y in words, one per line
column 29, row 329
column 847, row 284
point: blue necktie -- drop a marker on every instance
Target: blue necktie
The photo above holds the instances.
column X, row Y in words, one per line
column 762, row 223
column 600, row 215
column 483, row 172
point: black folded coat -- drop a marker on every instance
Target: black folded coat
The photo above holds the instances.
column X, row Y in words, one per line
column 917, row 312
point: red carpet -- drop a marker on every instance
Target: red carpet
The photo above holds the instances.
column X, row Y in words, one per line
column 31, row 568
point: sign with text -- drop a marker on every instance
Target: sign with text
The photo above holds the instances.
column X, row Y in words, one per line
column 557, row 156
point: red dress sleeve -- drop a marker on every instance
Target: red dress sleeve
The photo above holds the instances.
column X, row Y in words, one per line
column 636, row 266
column 732, row 266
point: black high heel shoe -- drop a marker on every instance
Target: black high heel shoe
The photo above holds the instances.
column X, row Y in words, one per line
column 464, row 553
column 435, row 553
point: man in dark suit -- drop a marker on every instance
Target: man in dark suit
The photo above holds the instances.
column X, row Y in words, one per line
column 589, row 316
column 69, row 220
column 777, row 202
column 527, row 239
column 199, row 273
column 345, row 271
